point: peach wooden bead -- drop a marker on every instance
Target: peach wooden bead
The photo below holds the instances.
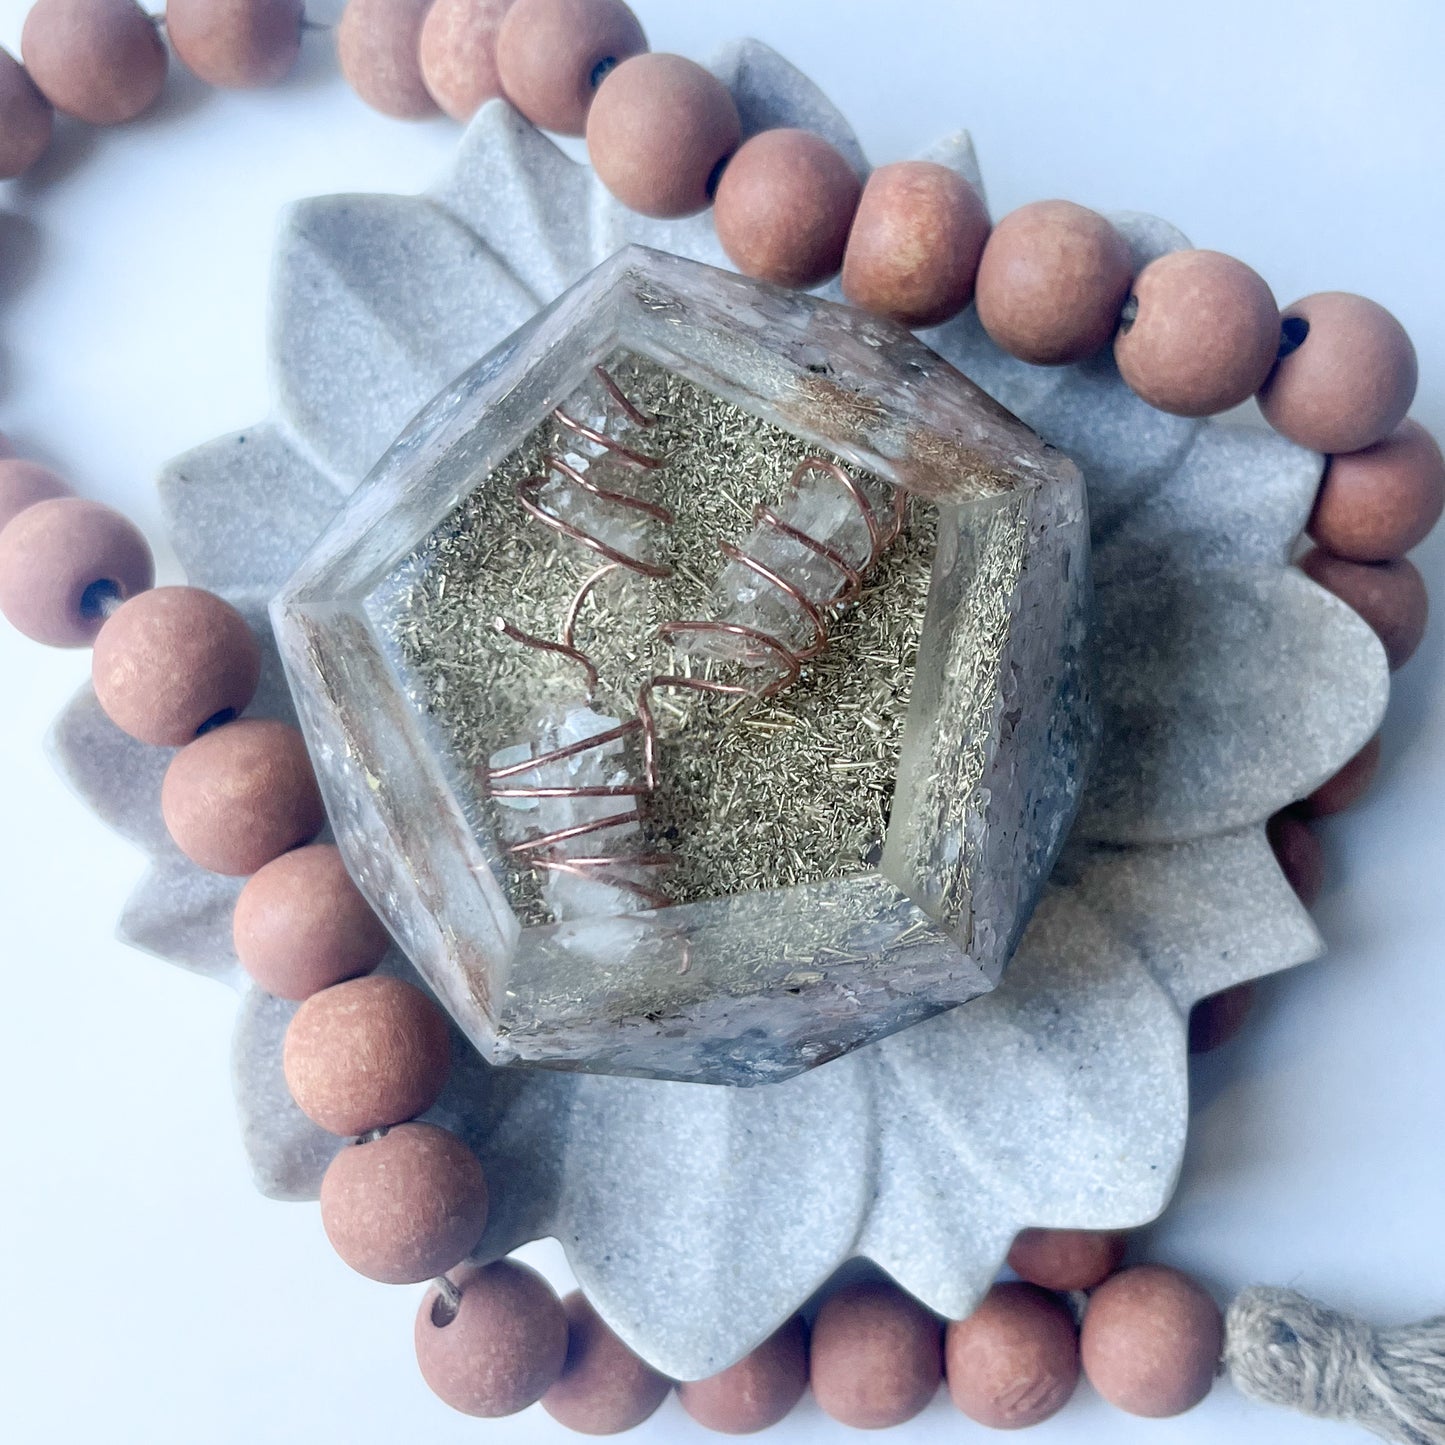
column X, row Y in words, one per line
column 552, row 55
column 500, row 1348
column 101, row 61
column 659, row 132
column 1350, row 378
column 236, row 44
column 758, row 1391
column 366, row 1054
column 1216, row 1020
column 62, row 562
column 1348, row 786
column 1301, row 859
column 1151, row 1341
column 875, row 1355
column 377, row 45
column 405, row 1206
column 1066, row 1259
column 301, row 925
column 1015, row 1360
column 458, row 54
column 1204, row 336
column 1390, row 596
column 603, row 1388
column 915, row 246
column 784, row 207
column 23, row 484
column 171, row 661
column 1052, row 281
column 242, row 795
column 26, row 119
column 1376, row 504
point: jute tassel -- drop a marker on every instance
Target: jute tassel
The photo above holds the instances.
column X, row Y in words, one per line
column 1283, row 1349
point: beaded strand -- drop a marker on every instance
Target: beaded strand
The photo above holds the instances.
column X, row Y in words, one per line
column 1193, row 333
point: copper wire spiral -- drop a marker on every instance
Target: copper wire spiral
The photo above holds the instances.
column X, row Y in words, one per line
column 545, row 851
column 766, row 646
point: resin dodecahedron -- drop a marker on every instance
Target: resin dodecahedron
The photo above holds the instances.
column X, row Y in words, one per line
column 700, row 686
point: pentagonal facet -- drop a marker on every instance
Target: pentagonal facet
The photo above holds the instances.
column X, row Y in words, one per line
column 700, row 684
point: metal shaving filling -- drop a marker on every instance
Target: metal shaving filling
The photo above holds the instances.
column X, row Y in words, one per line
column 791, row 790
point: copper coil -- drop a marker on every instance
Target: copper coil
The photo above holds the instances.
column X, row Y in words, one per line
column 881, row 536
column 545, row 851
column 563, row 649
column 580, row 867
column 577, row 830
column 554, row 465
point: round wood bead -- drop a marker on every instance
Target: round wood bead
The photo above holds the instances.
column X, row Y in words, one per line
column 62, row 562
column 23, row 484
column 784, row 207
column 1348, row 786
column 1015, row 1360
column 1151, row 1341
column 758, row 1391
column 603, row 1388
column 1390, row 596
column 500, row 1348
column 301, row 925
column 101, row 61
column 377, row 46
column 405, row 1206
column 242, row 795
column 552, row 55
column 172, row 661
column 1300, row 857
column 1376, row 504
column 236, row 44
column 1066, row 1259
column 458, row 54
column 1203, row 336
column 1052, row 281
column 26, row 119
column 1348, row 377
column 366, row 1054
column 659, row 132
column 1215, row 1020
column 875, row 1355
column 916, row 242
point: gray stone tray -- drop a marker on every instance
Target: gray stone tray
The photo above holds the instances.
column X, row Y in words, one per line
column 697, row 1218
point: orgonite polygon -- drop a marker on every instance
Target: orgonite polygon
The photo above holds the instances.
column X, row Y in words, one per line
column 748, row 885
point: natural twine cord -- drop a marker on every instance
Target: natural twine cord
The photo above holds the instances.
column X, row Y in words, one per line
column 1283, row 1349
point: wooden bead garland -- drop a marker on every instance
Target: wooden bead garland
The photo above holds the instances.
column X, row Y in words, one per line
column 1200, row 332
column 494, row 1342
column 602, row 1388
column 406, row 1205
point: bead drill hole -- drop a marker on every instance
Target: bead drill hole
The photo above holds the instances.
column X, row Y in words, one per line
column 445, row 1306
column 216, row 720
column 602, row 70
column 1292, row 333
column 100, row 599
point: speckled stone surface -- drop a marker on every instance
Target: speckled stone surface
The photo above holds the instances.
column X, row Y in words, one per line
column 1058, row 1100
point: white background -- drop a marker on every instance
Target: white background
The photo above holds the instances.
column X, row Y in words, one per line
column 148, row 1294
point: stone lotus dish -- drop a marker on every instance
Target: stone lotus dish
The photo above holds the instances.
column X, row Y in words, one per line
column 697, row 1218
